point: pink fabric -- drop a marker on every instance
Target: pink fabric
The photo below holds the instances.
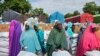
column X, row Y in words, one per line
column 14, row 37
column 87, row 42
column 11, row 31
column 93, row 25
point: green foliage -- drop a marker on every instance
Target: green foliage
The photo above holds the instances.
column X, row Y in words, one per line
column 91, row 8
column 68, row 15
column 98, row 9
column 76, row 13
column 21, row 6
column 97, row 18
column 40, row 13
column 37, row 11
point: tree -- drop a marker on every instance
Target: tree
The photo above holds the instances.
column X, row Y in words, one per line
column 40, row 13
column 37, row 11
column 20, row 6
column 90, row 7
column 98, row 9
column 68, row 15
column 76, row 13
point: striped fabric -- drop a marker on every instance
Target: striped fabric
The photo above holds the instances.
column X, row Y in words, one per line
column 74, row 44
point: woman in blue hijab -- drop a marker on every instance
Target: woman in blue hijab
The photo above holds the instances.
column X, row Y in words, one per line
column 69, row 34
column 69, row 29
column 29, row 40
column 40, row 35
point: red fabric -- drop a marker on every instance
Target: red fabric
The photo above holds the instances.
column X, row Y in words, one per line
column 86, row 17
column 73, row 19
column 81, row 18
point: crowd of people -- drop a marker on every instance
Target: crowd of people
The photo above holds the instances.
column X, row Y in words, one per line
column 65, row 39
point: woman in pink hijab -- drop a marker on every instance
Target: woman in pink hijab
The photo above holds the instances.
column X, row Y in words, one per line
column 89, row 40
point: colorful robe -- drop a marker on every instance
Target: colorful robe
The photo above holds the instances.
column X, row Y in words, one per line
column 40, row 35
column 69, row 29
column 29, row 41
column 55, row 39
column 14, row 38
column 87, row 42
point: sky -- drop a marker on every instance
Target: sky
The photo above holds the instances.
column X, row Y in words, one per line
column 63, row 6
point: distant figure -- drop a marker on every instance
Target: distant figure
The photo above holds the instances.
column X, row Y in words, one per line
column 60, row 52
column 29, row 40
column 90, row 40
column 40, row 35
column 56, row 37
column 69, row 34
column 14, row 38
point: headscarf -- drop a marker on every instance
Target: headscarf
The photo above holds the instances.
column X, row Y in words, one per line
column 88, row 41
column 14, row 38
column 32, row 21
column 69, row 29
column 29, row 39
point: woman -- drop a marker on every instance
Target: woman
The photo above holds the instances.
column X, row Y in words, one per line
column 69, row 35
column 74, row 38
column 89, row 40
column 57, row 37
column 40, row 35
column 14, row 38
column 29, row 41
column 69, row 29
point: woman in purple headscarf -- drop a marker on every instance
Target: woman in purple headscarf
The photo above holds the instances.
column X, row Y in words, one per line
column 14, row 38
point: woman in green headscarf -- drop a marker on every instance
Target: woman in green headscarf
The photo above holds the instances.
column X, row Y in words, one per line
column 57, row 37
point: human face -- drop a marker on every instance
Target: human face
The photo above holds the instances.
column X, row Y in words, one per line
column 59, row 26
column 26, row 27
column 35, row 28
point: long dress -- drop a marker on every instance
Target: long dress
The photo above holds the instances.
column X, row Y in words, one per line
column 87, row 42
column 55, row 39
column 14, row 38
column 40, row 35
column 29, row 41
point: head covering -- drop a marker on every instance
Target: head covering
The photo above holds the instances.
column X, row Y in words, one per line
column 26, row 22
column 87, row 42
column 93, row 25
column 57, row 22
column 69, row 29
column 69, row 24
column 32, row 21
column 29, row 39
column 14, row 38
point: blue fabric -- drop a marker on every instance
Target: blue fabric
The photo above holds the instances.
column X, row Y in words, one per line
column 69, row 29
column 29, row 39
column 40, row 35
column 70, row 32
column 56, row 16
